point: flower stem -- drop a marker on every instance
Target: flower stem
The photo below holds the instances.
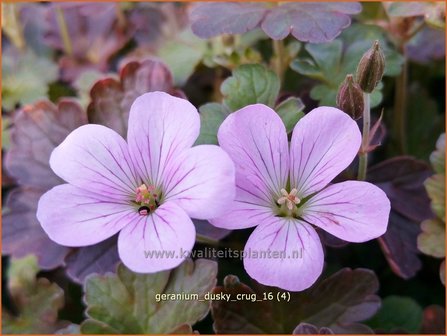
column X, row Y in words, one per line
column 206, row 240
column 12, row 25
column 363, row 157
column 279, row 65
column 65, row 35
column 400, row 108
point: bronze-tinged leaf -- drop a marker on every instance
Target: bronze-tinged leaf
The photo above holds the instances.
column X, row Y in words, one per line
column 216, row 18
column 402, row 178
column 338, row 302
column 399, row 245
column 22, row 233
column 88, row 34
column 37, row 129
column 99, row 258
column 308, row 22
column 241, row 316
column 37, row 301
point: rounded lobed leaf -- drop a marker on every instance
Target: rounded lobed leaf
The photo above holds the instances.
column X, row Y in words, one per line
column 132, row 303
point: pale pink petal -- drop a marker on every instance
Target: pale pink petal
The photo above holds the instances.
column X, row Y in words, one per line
column 201, row 181
column 353, row 211
column 243, row 212
column 168, row 234
column 324, row 143
column 285, row 253
column 160, row 127
column 96, row 158
column 256, row 140
column 75, row 217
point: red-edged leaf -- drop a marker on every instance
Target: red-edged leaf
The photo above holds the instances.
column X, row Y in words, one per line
column 434, row 320
column 399, row 245
column 111, row 99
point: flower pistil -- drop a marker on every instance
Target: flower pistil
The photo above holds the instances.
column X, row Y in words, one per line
column 147, row 199
column 288, row 202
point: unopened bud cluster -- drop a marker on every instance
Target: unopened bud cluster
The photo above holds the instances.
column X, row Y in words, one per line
column 369, row 73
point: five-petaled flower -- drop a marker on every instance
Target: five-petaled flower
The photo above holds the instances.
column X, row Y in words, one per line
column 284, row 191
column 147, row 188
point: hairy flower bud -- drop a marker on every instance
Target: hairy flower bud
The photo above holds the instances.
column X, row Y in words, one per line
column 370, row 68
column 350, row 98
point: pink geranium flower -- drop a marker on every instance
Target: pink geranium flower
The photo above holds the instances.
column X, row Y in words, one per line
column 284, row 191
column 146, row 188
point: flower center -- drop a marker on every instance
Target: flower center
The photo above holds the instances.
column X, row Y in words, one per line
column 288, row 203
column 147, row 198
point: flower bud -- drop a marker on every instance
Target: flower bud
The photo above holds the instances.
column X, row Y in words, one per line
column 370, row 68
column 350, row 98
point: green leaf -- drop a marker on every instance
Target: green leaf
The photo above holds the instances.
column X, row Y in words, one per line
column 307, row 67
column 250, row 84
column 398, row 313
column 290, row 111
column 432, row 239
column 329, row 63
column 402, row 9
column 211, row 117
column 437, row 158
column 231, row 53
column 127, row 302
column 25, row 77
column 85, row 82
column 182, row 54
column 37, row 300
column 22, row 273
column 435, row 186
